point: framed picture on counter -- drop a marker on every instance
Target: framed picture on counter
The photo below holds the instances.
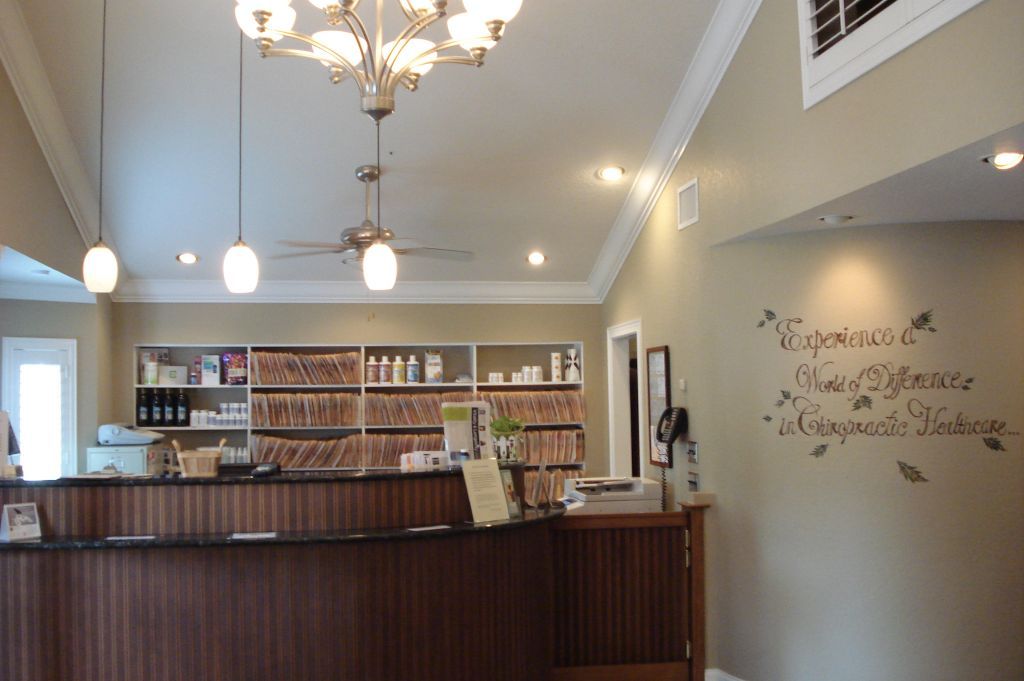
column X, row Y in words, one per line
column 20, row 522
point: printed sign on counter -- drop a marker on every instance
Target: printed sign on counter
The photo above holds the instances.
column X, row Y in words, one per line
column 485, row 489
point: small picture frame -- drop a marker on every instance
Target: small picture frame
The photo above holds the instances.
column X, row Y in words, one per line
column 515, row 510
column 20, row 522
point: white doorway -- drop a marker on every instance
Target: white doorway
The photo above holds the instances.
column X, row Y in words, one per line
column 627, row 446
column 40, row 393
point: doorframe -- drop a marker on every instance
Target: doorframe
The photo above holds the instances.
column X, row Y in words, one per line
column 620, row 457
column 69, row 455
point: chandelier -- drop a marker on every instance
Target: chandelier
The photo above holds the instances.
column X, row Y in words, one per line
column 378, row 68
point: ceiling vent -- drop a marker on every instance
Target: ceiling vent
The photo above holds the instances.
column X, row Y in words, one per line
column 687, row 204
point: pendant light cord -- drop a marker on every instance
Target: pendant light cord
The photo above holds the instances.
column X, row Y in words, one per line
column 379, row 173
column 103, row 98
column 241, row 45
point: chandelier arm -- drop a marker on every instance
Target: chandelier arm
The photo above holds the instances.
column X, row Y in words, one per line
column 364, row 44
column 407, row 10
column 402, row 42
column 286, row 52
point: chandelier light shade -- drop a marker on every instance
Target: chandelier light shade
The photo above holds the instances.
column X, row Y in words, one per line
column 380, row 267
column 241, row 268
column 99, row 269
column 352, row 52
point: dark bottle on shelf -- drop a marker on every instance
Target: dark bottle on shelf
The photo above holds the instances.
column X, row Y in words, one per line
column 181, row 408
column 156, row 409
column 170, row 410
column 142, row 408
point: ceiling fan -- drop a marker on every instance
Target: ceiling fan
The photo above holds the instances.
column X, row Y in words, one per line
column 356, row 240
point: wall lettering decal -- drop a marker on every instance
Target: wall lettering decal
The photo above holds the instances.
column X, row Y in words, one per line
column 836, row 401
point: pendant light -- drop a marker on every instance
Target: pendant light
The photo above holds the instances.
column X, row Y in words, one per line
column 99, row 269
column 241, row 267
column 380, row 267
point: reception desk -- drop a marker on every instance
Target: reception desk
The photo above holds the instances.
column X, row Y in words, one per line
column 349, row 586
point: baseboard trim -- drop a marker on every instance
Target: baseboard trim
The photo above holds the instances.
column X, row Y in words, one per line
column 719, row 675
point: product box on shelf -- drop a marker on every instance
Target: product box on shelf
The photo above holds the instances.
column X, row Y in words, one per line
column 211, row 370
column 169, row 375
column 434, row 370
column 154, row 358
column 236, row 368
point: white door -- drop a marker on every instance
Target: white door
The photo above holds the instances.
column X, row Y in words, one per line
column 39, row 394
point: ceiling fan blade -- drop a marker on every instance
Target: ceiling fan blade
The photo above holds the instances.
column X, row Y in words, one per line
column 332, row 251
column 430, row 252
column 312, row 244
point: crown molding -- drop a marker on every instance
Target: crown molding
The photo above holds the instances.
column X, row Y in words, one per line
column 442, row 292
column 46, row 292
column 28, row 77
column 720, row 42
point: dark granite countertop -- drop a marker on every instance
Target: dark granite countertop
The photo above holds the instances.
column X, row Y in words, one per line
column 299, row 476
column 531, row 517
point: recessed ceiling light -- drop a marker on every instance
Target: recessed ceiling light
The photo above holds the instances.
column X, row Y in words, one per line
column 187, row 258
column 1004, row 160
column 611, row 173
column 536, row 258
column 835, row 219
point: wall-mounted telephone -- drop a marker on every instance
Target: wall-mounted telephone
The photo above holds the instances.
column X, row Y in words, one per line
column 673, row 423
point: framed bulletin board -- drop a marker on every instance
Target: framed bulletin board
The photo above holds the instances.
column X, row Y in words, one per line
column 659, row 398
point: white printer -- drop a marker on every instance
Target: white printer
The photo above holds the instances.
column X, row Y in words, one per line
column 611, row 495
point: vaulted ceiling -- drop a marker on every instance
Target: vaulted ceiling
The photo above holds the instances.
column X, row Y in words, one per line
column 498, row 160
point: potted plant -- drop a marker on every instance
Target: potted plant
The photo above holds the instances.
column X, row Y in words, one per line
column 509, row 438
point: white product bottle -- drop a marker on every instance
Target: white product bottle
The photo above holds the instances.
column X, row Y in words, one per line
column 372, row 370
column 412, row 370
column 398, row 370
column 385, row 370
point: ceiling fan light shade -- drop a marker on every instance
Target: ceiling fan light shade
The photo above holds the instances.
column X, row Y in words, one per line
column 470, row 31
column 342, row 42
column 493, row 10
column 380, row 267
column 99, row 269
column 241, row 268
column 408, row 52
column 282, row 17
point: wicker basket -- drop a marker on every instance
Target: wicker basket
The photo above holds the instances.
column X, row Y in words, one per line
column 199, row 463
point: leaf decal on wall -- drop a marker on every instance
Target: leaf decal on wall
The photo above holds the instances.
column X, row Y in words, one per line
column 768, row 316
column 786, row 395
column 967, row 383
column 994, row 443
column 923, row 321
column 766, row 418
column 911, row 473
column 780, row 403
column 819, row 451
column 862, row 402
column 760, row 324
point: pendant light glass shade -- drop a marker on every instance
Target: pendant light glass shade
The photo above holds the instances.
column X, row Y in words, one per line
column 380, row 267
column 282, row 17
column 99, row 269
column 410, row 51
column 344, row 43
column 469, row 30
column 241, row 268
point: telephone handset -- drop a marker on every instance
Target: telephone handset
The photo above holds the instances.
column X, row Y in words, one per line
column 673, row 423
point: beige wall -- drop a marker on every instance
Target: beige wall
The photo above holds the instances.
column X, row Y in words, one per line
column 34, row 218
column 837, row 567
column 325, row 323
column 90, row 326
